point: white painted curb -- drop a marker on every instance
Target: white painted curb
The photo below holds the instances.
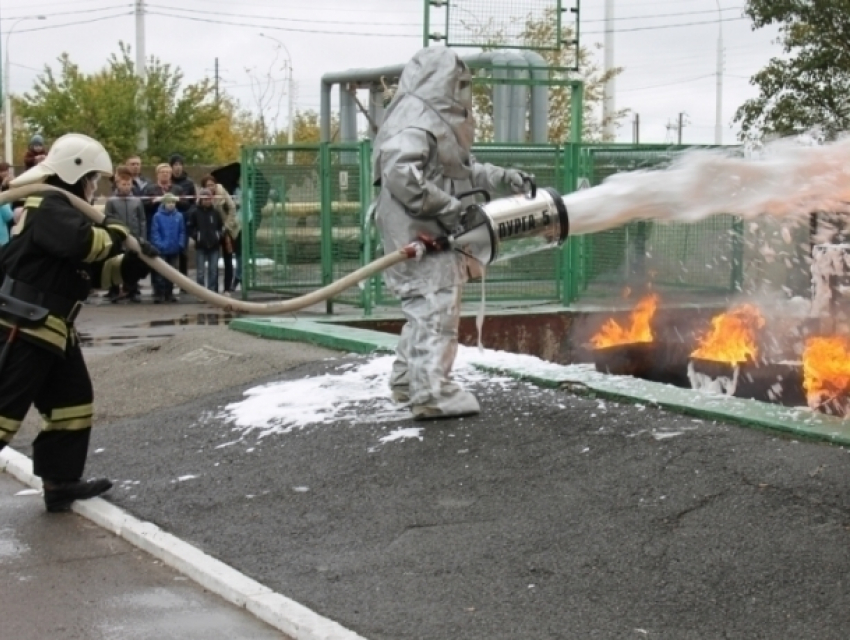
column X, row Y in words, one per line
column 293, row 619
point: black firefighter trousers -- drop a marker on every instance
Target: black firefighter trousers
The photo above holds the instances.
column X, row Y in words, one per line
column 61, row 390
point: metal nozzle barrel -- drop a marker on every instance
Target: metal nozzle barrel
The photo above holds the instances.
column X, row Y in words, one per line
column 515, row 226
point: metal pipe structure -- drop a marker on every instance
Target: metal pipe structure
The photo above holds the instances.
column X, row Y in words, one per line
column 539, row 109
column 347, row 123
column 376, row 110
column 518, row 105
column 501, row 98
column 366, row 77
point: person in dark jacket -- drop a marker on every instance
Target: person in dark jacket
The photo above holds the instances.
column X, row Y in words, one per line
column 168, row 235
column 127, row 208
column 205, row 226
column 35, row 152
column 56, row 256
column 186, row 190
column 134, row 165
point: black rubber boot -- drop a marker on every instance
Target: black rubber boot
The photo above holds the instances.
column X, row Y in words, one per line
column 58, row 496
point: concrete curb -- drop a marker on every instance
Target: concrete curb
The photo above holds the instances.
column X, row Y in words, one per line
column 798, row 422
column 289, row 617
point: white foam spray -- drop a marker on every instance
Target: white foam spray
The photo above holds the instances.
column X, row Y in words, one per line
column 786, row 178
column 721, row 385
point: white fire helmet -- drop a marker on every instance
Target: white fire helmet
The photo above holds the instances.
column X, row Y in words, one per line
column 71, row 157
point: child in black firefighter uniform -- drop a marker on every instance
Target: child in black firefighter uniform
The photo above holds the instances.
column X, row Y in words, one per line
column 56, row 256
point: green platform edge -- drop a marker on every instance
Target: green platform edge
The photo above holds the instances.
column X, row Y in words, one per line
column 796, row 422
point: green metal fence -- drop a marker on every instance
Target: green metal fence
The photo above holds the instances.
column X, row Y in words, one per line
column 305, row 207
column 700, row 257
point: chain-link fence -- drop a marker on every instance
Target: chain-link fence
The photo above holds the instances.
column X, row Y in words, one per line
column 304, row 210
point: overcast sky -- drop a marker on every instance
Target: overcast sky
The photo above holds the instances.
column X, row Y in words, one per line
column 668, row 69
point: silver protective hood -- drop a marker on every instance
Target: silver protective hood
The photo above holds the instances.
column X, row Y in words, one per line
column 433, row 95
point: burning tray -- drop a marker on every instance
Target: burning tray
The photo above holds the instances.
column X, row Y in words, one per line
column 665, row 362
column 777, row 383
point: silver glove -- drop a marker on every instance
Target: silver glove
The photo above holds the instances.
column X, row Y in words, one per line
column 516, row 180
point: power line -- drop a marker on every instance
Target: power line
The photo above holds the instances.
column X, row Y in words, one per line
column 242, row 15
column 403, row 35
column 313, row 7
column 666, row 15
column 669, row 84
column 69, row 13
column 71, row 24
column 293, row 29
column 401, row 24
column 64, row 3
column 667, row 26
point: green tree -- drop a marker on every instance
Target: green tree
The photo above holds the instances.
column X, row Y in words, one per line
column 808, row 87
column 541, row 32
column 111, row 105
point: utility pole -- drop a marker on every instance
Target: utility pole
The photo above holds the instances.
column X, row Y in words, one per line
column 141, row 73
column 216, row 81
column 636, row 129
column 609, row 102
column 718, row 126
column 678, row 126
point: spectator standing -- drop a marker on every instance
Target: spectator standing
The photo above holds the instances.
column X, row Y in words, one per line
column 7, row 219
column 127, row 208
column 5, row 175
column 186, row 191
column 8, row 222
column 35, row 152
column 205, row 226
column 134, row 164
column 152, row 194
column 168, row 235
column 232, row 228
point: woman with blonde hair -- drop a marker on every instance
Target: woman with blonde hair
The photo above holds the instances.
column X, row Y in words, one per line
column 231, row 240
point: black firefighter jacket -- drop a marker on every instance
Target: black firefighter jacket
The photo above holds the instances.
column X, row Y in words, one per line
column 56, row 249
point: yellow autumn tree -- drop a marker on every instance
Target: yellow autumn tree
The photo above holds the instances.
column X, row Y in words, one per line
column 235, row 127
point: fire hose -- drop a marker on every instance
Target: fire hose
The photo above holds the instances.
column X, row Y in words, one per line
column 413, row 250
column 489, row 232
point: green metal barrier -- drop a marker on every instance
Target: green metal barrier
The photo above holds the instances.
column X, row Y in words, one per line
column 307, row 226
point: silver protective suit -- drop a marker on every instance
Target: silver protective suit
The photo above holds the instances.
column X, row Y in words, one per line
column 422, row 161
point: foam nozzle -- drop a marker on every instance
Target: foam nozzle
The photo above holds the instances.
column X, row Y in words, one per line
column 511, row 227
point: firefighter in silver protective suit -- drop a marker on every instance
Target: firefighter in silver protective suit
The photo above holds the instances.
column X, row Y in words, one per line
column 422, row 161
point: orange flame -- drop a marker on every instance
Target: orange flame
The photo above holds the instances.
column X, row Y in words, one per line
column 612, row 333
column 826, row 370
column 732, row 337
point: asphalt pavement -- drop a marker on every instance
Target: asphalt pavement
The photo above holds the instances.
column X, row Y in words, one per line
column 547, row 516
